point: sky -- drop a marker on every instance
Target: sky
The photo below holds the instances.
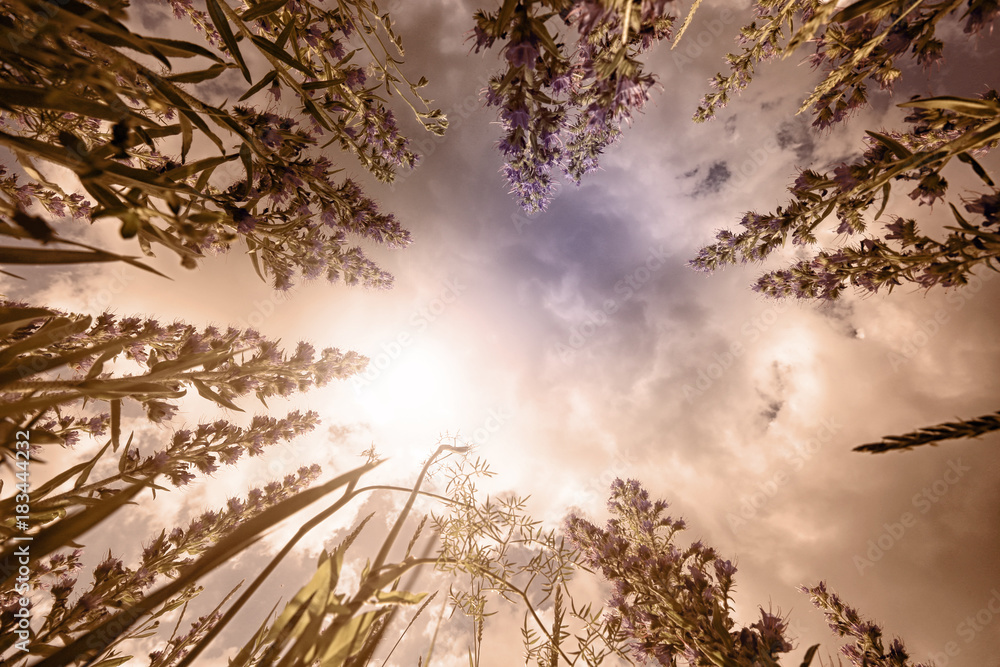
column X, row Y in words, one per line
column 576, row 346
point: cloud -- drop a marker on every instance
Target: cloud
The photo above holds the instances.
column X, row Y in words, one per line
column 715, row 178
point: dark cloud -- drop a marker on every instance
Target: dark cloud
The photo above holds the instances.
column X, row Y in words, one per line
column 717, row 176
column 773, row 392
column 770, row 413
column 838, row 315
column 730, row 125
column 796, row 135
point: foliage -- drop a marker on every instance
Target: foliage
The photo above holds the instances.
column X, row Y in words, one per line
column 931, row 435
column 857, row 45
column 81, row 91
column 561, row 107
column 671, row 603
column 493, row 548
column 869, row 41
column 943, row 128
column 868, row 649
column 674, row 604
column 63, row 375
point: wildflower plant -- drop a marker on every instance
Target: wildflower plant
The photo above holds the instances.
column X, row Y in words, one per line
column 64, row 374
column 858, row 45
column 98, row 623
column 560, row 106
column 671, row 603
column 494, row 551
column 77, row 96
column 941, row 129
column 868, row 649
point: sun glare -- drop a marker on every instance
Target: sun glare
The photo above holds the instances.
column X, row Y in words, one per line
column 417, row 386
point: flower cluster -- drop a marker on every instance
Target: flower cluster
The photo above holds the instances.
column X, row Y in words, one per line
column 116, row 586
column 309, row 213
column 868, row 649
column 334, row 106
column 854, row 47
column 222, row 365
column 671, row 603
column 209, row 445
column 68, row 427
column 57, row 204
column 940, row 128
column 72, row 365
column 289, row 209
column 561, row 110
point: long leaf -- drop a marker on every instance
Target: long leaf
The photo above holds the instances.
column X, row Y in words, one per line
column 59, row 100
column 200, row 75
column 899, row 149
column 179, row 49
column 222, row 25
column 12, row 319
column 53, row 331
column 273, row 49
column 93, row 643
column 262, row 9
column 859, row 8
column 187, row 170
column 807, row 659
column 210, row 394
column 960, row 105
column 976, row 167
column 18, row 255
column 257, row 87
column 37, row 364
column 67, row 530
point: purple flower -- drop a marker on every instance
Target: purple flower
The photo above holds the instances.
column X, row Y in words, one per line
column 159, row 411
column 587, row 15
column 180, row 477
column 634, row 92
column 522, row 54
column 845, row 178
column 355, row 78
column 484, row 40
column 987, row 206
column 517, row 117
column 335, row 50
column 932, row 187
column 561, row 83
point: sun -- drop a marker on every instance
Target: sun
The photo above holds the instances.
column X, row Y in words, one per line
column 418, row 385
